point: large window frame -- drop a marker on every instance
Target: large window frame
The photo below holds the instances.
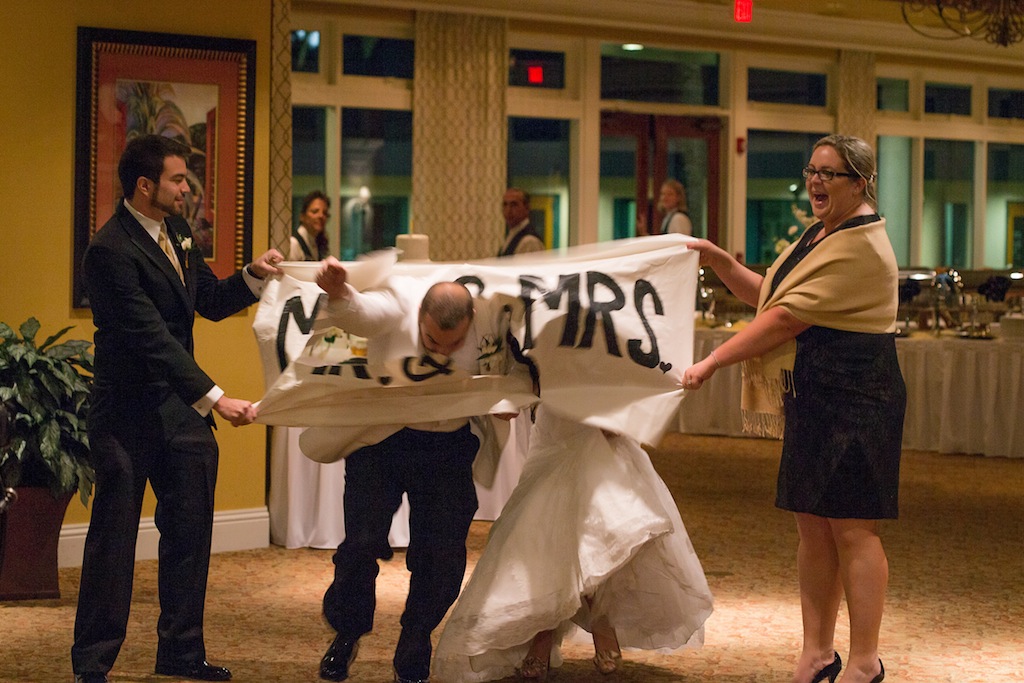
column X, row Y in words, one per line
column 772, row 117
column 334, row 91
column 565, row 104
column 977, row 128
column 580, row 103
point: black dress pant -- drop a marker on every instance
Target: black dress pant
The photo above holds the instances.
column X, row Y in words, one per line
column 172, row 447
column 435, row 469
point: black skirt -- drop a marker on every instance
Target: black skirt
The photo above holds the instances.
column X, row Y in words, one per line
column 844, row 427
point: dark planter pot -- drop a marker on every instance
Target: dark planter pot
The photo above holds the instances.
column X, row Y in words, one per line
column 29, row 531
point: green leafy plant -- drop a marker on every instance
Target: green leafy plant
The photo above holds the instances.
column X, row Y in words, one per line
column 46, row 389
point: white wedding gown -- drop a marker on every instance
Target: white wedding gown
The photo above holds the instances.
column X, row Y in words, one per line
column 590, row 516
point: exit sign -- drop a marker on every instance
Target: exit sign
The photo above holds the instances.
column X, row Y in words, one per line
column 743, row 10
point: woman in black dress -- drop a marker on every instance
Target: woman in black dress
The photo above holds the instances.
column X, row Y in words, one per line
column 819, row 364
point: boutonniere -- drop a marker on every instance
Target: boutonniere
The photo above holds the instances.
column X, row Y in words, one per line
column 491, row 356
column 186, row 245
column 334, row 345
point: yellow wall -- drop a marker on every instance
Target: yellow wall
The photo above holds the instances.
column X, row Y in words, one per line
column 37, row 129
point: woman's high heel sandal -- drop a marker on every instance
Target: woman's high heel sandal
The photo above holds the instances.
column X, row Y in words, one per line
column 831, row 672
column 607, row 661
column 881, row 676
column 533, row 668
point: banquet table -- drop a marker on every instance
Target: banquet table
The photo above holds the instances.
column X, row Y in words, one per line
column 963, row 395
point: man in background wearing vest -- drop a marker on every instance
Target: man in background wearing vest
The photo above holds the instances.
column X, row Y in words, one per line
column 520, row 235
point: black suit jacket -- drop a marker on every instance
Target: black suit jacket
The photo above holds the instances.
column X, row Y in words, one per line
column 144, row 315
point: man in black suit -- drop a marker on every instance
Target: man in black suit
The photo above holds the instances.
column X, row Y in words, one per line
column 430, row 461
column 151, row 413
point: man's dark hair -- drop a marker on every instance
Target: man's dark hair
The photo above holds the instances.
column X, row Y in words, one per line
column 144, row 156
column 448, row 303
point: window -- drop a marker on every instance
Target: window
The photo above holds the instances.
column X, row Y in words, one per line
column 655, row 75
column 536, row 69
column 948, row 211
column 373, row 56
column 947, row 99
column 306, row 51
column 1004, row 207
column 376, row 178
column 538, row 162
column 893, row 94
column 894, row 193
column 1005, row 104
column 617, row 212
column 787, row 87
column 309, row 146
column 775, row 191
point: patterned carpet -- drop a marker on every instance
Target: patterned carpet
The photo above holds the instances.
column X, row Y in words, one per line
column 954, row 614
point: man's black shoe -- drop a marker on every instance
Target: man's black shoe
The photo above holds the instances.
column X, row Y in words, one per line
column 91, row 678
column 338, row 658
column 200, row 671
column 401, row 679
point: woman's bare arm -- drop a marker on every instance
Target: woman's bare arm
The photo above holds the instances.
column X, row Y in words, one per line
column 769, row 330
column 744, row 283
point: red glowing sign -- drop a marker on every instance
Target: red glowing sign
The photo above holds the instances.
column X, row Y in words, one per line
column 743, row 10
column 535, row 74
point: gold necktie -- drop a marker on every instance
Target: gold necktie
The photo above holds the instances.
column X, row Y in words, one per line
column 165, row 245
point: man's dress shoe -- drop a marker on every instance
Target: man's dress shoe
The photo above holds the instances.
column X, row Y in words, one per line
column 400, row 679
column 91, row 678
column 338, row 658
column 200, row 671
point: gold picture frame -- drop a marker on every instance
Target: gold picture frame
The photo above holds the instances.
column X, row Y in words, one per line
column 195, row 89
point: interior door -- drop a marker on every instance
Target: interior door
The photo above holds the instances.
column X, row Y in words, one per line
column 639, row 152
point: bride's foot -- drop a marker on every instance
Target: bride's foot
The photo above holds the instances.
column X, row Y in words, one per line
column 607, row 656
column 535, row 665
column 607, row 661
column 533, row 668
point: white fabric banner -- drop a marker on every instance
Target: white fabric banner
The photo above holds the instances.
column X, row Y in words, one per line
column 608, row 326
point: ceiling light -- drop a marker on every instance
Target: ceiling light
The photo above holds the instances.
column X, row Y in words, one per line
column 1000, row 22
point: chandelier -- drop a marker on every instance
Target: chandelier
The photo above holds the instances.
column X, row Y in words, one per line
column 1000, row 22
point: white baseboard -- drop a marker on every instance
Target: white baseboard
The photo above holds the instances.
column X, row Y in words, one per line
column 232, row 530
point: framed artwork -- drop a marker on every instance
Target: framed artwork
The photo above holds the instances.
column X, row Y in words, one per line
column 197, row 90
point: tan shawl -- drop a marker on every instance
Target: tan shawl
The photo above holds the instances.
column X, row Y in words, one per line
column 849, row 282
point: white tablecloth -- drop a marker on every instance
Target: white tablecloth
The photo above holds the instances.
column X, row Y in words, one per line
column 306, row 498
column 963, row 396
column 715, row 409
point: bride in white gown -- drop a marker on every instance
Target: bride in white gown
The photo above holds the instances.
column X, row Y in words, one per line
column 591, row 537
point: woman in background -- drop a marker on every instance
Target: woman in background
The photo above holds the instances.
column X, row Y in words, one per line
column 819, row 360
column 309, row 240
column 672, row 200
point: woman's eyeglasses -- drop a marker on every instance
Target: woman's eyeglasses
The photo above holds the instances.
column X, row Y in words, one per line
column 826, row 174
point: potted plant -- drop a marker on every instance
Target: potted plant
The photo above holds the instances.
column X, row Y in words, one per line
column 45, row 389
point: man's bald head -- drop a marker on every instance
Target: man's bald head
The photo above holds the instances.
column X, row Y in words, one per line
column 446, row 313
column 448, row 303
